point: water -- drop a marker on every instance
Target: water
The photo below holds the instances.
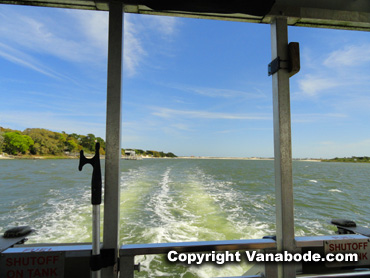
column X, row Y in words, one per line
column 172, row 200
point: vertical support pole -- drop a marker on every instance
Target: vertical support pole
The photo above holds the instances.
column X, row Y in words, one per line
column 282, row 148
column 113, row 135
column 96, row 237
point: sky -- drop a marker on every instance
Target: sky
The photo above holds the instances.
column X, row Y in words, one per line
column 190, row 86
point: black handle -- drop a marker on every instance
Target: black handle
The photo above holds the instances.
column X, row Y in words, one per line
column 96, row 183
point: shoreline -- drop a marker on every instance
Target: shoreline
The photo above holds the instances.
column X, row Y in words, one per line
column 246, row 158
column 10, row 157
column 36, row 157
column 224, row 158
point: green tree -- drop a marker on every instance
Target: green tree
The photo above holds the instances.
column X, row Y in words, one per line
column 88, row 142
column 16, row 143
column 101, row 142
column 71, row 145
column 139, row 152
column 46, row 141
column 75, row 136
column 1, row 140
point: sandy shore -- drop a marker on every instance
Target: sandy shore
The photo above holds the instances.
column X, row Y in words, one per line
column 243, row 158
column 179, row 157
column 6, row 157
column 226, row 158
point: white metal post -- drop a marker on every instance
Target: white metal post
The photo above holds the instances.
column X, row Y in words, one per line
column 282, row 148
column 113, row 135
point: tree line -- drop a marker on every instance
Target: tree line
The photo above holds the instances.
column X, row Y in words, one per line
column 349, row 159
column 39, row 141
column 152, row 153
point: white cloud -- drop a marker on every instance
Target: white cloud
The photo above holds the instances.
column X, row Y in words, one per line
column 349, row 56
column 139, row 30
column 331, row 149
column 164, row 24
column 36, row 35
column 79, row 39
column 133, row 50
column 183, row 127
column 312, row 85
column 82, row 38
column 216, row 92
column 171, row 113
column 52, row 121
column 225, row 93
column 339, row 69
column 95, row 27
column 24, row 60
column 315, row 117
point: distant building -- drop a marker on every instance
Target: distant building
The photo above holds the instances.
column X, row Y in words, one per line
column 131, row 155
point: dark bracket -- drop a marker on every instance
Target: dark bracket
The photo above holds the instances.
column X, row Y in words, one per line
column 345, row 226
column 137, row 267
column 273, row 237
column 293, row 63
column 16, row 235
column 274, row 66
column 96, row 183
column 294, row 58
column 104, row 259
column 108, row 257
column 21, row 231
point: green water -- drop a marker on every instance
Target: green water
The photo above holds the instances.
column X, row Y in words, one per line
column 172, row 200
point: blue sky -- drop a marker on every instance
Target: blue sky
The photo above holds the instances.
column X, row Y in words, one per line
column 190, row 86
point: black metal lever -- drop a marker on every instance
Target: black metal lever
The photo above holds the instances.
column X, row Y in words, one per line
column 96, row 182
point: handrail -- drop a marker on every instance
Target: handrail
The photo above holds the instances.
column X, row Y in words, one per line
column 78, row 254
column 129, row 251
column 198, row 246
column 347, row 275
column 224, row 245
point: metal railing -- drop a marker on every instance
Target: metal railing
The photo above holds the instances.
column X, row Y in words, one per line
column 129, row 251
column 73, row 259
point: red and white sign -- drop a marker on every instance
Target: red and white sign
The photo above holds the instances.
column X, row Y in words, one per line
column 32, row 265
column 346, row 245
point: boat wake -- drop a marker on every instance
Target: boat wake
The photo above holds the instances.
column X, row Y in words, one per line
column 181, row 207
